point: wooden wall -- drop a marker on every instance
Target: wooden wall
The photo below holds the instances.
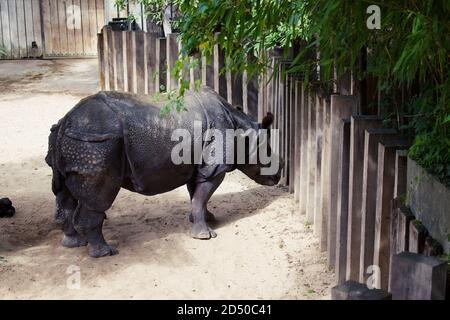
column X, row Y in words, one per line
column 59, row 28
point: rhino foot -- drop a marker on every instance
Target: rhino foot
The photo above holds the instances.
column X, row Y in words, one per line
column 209, row 217
column 73, row 241
column 202, row 231
column 102, row 251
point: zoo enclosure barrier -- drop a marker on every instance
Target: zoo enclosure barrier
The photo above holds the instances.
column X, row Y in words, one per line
column 348, row 174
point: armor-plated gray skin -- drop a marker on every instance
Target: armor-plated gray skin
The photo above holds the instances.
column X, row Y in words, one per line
column 115, row 140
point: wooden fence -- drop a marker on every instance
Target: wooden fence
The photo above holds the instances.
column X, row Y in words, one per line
column 343, row 167
column 50, row 28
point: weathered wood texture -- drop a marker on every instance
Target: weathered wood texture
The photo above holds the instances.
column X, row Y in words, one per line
column 50, row 28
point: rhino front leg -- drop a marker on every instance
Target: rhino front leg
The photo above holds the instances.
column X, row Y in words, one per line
column 202, row 194
column 209, row 217
column 66, row 207
column 90, row 223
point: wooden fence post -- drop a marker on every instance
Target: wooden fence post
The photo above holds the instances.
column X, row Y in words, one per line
column 101, row 61
column 385, row 194
column 297, row 140
column 369, row 193
column 161, row 64
column 312, row 156
column 140, row 63
column 341, row 107
column 172, row 56
column 358, row 127
column 325, row 177
column 318, row 175
column 220, row 81
column 342, row 202
column 304, row 174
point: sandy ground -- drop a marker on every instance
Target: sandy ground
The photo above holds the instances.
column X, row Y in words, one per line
column 263, row 249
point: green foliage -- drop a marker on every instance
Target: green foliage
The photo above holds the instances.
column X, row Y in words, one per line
column 410, row 50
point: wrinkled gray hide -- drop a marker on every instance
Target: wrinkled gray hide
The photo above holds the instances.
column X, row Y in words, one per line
column 115, row 140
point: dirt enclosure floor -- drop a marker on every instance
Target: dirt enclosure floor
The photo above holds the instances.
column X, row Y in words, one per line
column 263, row 250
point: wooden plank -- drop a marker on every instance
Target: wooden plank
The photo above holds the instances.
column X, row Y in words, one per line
column 357, row 140
column 325, row 177
column 111, row 53
column 78, row 26
column 342, row 202
column 29, row 31
column 220, row 81
column 101, row 61
column 86, row 35
column 297, row 139
column 341, row 107
column 369, row 195
column 54, row 24
column 100, row 10
column 161, row 64
column 47, row 32
column 312, row 157
column 207, row 71
column 37, row 25
column 385, row 194
column 292, row 139
column 172, row 56
column 318, row 177
column 129, row 54
column 119, row 62
column 92, row 14
column 63, row 30
column 140, row 62
column 304, row 151
column 5, row 27
column 21, row 29
column 15, row 47
column 151, row 63
column 70, row 27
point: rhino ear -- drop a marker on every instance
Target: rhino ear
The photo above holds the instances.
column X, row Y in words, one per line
column 267, row 121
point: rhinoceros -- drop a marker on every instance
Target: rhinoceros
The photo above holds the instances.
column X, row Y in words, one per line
column 114, row 140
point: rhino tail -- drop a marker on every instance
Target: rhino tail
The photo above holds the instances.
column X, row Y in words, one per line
column 51, row 158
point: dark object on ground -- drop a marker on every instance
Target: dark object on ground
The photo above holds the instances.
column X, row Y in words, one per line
column 6, row 208
column 114, row 140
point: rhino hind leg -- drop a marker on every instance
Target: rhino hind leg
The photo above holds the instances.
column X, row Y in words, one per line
column 202, row 194
column 209, row 217
column 90, row 223
column 66, row 206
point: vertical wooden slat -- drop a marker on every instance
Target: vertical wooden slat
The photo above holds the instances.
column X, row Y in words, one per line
column 100, row 10
column 304, row 174
column 325, row 181
column 21, row 30
column 208, row 71
column 37, row 36
column 70, row 23
column 85, row 27
column 292, row 138
column 151, row 64
column 161, row 64
column 6, row 40
column 78, row 32
column 29, row 31
column 119, row 64
column 297, row 140
column 111, row 58
column 54, row 24
column 130, row 52
column 92, row 16
column 47, row 32
column 101, row 61
column 140, row 63
column 172, row 56
column 63, row 30
column 318, row 176
column 312, row 156
column 15, row 51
